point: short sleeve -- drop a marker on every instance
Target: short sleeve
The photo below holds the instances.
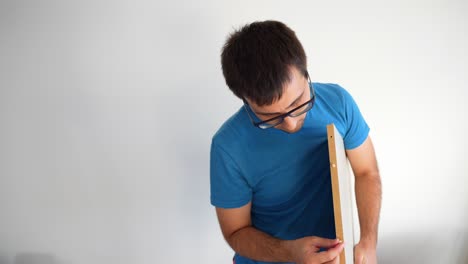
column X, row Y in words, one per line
column 229, row 189
column 357, row 129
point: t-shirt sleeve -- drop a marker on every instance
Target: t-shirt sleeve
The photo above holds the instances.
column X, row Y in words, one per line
column 357, row 129
column 229, row 189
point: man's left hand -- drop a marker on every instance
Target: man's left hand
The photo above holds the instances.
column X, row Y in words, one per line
column 365, row 253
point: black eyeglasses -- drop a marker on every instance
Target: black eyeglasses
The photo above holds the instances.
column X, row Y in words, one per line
column 272, row 122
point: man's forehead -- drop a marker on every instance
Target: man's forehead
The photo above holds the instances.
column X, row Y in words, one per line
column 292, row 92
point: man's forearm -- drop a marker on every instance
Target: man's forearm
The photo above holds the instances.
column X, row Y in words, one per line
column 255, row 244
column 368, row 190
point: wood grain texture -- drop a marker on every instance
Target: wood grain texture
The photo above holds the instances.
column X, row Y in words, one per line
column 342, row 194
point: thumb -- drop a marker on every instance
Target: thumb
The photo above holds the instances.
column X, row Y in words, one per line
column 331, row 254
column 325, row 242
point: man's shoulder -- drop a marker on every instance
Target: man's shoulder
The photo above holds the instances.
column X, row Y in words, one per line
column 329, row 89
column 231, row 130
column 332, row 93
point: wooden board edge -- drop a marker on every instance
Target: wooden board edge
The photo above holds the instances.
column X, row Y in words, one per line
column 335, row 187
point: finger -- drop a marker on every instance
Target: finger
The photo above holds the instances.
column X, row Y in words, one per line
column 331, row 253
column 335, row 261
column 325, row 242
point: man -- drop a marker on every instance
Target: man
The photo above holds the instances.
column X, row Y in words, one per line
column 269, row 171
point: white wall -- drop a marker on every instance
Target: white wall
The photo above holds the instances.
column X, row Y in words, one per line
column 107, row 110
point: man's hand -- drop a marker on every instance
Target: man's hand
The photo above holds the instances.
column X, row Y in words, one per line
column 365, row 253
column 306, row 250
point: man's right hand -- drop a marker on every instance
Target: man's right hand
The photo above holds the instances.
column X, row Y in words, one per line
column 306, row 250
column 252, row 243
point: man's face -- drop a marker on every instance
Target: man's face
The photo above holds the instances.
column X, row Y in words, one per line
column 295, row 93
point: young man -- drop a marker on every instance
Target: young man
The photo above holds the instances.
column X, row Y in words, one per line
column 269, row 171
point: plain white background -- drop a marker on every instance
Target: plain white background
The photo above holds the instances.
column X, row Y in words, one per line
column 107, row 109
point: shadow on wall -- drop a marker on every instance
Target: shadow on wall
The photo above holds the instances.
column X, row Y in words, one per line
column 3, row 260
column 424, row 248
column 463, row 249
column 35, row 258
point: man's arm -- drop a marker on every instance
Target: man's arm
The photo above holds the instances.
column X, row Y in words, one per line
column 368, row 191
column 252, row 243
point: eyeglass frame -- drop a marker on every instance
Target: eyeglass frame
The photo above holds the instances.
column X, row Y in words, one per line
column 282, row 116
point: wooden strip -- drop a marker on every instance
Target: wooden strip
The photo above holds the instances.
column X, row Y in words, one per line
column 335, row 187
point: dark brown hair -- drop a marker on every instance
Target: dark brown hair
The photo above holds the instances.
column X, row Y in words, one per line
column 257, row 59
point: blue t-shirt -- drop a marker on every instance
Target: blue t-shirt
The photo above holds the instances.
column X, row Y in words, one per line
column 286, row 176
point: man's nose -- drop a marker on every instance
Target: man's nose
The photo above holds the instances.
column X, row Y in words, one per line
column 290, row 123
